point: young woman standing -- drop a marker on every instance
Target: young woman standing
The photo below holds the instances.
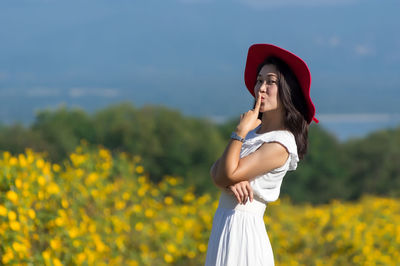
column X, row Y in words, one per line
column 269, row 140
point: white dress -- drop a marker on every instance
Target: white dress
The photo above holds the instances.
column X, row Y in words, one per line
column 238, row 235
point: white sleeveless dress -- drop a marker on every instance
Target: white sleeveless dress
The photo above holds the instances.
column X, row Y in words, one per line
column 238, row 235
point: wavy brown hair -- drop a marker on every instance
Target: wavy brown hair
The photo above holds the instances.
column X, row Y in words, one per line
column 294, row 104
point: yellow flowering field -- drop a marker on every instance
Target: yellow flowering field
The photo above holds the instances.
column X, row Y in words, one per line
column 98, row 208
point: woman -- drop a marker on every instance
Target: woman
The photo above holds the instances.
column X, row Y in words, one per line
column 268, row 141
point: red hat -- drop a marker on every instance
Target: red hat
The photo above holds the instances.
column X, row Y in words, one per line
column 259, row 52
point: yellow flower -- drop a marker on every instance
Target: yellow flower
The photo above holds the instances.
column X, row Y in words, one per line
column 14, row 225
column 119, row 205
column 137, row 208
column 149, row 213
column 139, row 226
column 104, row 153
column 100, row 247
column 46, row 254
column 202, row 248
column 172, row 180
column 139, row 169
column 142, row 179
column 133, row 263
column 92, row 178
column 168, row 200
column 6, row 155
column 162, row 226
column 41, row 180
column 92, row 228
column 64, row 203
column 144, row 248
column 81, row 258
column 3, row 210
column 171, row 248
column 188, row 197
column 55, row 244
column 77, row 159
column 204, row 199
column 7, row 257
column 12, row 216
column 106, row 165
column 141, row 191
column 120, row 243
column 59, row 221
column 191, row 254
column 40, row 163
column 22, row 160
column 40, row 196
column 22, row 219
column 57, row 262
column 76, row 243
column 94, row 193
column 126, row 196
column 12, row 196
column 168, row 258
column 18, row 247
column 18, row 183
column 56, row 168
column 29, row 155
column 155, row 192
column 13, row 161
column 73, row 232
column 53, row 188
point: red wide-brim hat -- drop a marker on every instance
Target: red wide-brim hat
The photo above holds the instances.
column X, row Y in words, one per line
column 259, row 52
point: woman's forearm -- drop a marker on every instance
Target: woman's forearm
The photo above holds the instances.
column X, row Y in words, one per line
column 213, row 172
column 225, row 167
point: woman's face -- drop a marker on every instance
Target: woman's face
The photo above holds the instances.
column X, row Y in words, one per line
column 267, row 85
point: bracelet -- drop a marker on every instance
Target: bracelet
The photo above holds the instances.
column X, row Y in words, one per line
column 237, row 137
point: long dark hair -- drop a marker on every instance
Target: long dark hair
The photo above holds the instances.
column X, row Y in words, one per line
column 292, row 98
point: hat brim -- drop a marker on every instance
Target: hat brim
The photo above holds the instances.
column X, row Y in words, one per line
column 259, row 52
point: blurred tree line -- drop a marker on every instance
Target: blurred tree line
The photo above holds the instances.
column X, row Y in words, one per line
column 172, row 144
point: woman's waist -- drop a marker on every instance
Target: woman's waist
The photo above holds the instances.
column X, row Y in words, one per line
column 229, row 201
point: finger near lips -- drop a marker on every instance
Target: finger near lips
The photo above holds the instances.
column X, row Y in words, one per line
column 258, row 103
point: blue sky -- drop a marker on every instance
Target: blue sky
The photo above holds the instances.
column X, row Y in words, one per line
column 190, row 54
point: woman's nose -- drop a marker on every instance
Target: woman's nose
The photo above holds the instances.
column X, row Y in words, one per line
column 263, row 87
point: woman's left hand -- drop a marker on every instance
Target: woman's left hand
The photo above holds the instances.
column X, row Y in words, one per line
column 249, row 120
column 242, row 191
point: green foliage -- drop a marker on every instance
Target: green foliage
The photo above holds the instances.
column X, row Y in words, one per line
column 173, row 144
column 61, row 131
column 321, row 175
column 169, row 143
column 373, row 163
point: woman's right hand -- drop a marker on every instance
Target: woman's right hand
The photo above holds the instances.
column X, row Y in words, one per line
column 242, row 191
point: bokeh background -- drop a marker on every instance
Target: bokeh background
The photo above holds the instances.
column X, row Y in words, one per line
column 112, row 112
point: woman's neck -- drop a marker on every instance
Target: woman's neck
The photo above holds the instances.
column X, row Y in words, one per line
column 272, row 120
